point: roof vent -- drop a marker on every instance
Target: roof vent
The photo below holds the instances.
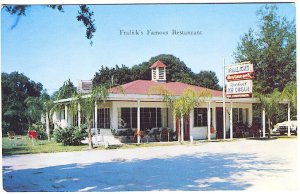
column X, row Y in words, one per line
column 158, row 72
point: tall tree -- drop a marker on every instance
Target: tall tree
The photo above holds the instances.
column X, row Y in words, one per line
column 16, row 87
column 177, row 71
column 272, row 50
column 208, row 79
column 118, row 75
column 65, row 91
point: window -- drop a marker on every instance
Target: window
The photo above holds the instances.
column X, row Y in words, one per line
column 161, row 73
column 150, row 118
column 154, row 73
column 237, row 115
column 75, row 119
column 127, row 118
column 200, row 117
column 62, row 115
column 103, row 118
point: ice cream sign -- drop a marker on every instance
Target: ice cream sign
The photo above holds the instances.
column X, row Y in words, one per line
column 239, row 80
column 239, row 89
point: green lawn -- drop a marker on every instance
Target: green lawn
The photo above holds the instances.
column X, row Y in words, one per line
column 25, row 146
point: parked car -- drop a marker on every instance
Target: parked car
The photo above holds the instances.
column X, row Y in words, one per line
column 282, row 127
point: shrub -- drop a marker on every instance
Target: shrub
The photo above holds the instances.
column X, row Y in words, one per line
column 41, row 133
column 70, row 135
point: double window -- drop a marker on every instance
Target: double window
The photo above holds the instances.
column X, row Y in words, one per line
column 149, row 118
column 200, row 117
column 127, row 118
column 103, row 118
column 238, row 116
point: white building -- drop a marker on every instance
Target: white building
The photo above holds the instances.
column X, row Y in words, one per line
column 135, row 108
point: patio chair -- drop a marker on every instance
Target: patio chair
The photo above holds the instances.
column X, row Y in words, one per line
column 154, row 132
column 12, row 136
column 164, row 134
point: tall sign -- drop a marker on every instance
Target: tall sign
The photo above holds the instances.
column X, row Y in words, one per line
column 239, row 78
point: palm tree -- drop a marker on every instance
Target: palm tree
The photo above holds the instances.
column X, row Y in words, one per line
column 181, row 106
column 37, row 107
column 289, row 94
column 33, row 110
column 270, row 103
column 87, row 106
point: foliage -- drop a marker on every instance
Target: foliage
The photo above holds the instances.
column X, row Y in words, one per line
column 16, row 87
column 272, row 50
column 85, row 15
column 181, row 106
column 208, row 79
column 190, row 99
column 270, row 102
column 118, row 75
column 65, row 91
column 177, row 71
column 70, row 135
column 87, row 105
column 39, row 128
column 290, row 93
column 33, row 110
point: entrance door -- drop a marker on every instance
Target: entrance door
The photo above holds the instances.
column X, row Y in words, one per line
column 186, row 127
column 219, row 118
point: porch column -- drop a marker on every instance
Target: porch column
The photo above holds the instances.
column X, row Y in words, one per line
column 289, row 119
column 96, row 123
column 215, row 120
column 224, row 120
column 47, row 126
column 79, row 115
column 264, row 122
column 231, row 125
column 138, row 122
column 174, row 122
column 66, row 114
column 208, row 121
column 181, row 129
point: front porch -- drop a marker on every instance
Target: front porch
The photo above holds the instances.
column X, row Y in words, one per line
column 148, row 119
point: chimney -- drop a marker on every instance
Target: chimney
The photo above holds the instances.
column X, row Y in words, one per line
column 158, row 71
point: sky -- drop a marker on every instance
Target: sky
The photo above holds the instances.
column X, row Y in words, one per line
column 50, row 47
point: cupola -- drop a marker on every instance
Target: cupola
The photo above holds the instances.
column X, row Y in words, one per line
column 158, row 70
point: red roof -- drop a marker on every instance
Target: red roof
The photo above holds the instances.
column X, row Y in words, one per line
column 143, row 87
column 158, row 64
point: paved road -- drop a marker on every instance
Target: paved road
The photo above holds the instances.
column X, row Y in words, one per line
column 237, row 165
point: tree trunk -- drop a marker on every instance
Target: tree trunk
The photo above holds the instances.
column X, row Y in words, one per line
column 269, row 131
column 90, row 138
column 47, row 126
column 178, row 132
column 181, row 129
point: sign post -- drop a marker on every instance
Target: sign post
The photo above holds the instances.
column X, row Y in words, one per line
column 239, row 85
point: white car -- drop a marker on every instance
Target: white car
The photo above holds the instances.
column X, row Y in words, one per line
column 282, row 128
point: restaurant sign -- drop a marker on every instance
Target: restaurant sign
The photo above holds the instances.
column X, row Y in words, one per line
column 240, row 68
column 239, row 89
